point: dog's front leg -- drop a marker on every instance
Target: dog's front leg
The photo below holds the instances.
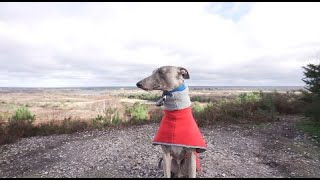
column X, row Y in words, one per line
column 192, row 166
column 167, row 164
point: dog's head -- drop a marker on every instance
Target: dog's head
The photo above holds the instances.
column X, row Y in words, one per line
column 164, row 78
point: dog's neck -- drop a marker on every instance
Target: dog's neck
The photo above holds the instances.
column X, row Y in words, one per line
column 176, row 99
column 181, row 87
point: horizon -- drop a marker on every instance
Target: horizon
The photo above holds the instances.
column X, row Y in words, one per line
column 137, row 87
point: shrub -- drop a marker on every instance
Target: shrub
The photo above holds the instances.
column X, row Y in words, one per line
column 313, row 109
column 267, row 105
column 110, row 117
column 137, row 112
column 248, row 97
column 288, row 103
column 48, row 129
column 311, row 127
column 22, row 114
column 19, row 125
column 71, row 126
column 197, row 108
column 3, row 134
column 255, row 107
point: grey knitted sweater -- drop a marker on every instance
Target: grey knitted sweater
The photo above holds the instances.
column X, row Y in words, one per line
column 177, row 100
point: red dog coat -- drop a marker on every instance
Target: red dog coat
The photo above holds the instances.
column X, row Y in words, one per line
column 178, row 127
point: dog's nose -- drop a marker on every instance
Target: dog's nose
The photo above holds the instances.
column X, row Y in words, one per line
column 139, row 85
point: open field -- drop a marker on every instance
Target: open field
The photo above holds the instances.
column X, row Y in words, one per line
column 253, row 143
column 82, row 104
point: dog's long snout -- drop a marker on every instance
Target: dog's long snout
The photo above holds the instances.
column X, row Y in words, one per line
column 139, row 84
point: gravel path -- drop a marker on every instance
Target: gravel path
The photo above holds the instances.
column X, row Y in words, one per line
column 272, row 150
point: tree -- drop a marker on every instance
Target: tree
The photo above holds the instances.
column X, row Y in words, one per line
column 312, row 80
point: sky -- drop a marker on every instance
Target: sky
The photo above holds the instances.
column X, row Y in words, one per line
column 77, row 44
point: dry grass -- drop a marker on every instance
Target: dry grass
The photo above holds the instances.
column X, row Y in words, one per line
column 57, row 106
column 63, row 111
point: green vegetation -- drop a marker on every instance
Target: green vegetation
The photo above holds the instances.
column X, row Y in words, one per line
column 22, row 114
column 311, row 127
column 248, row 97
column 200, row 99
column 312, row 96
column 253, row 108
column 20, row 124
column 246, row 108
column 143, row 96
column 155, row 97
column 137, row 112
column 110, row 117
column 312, row 99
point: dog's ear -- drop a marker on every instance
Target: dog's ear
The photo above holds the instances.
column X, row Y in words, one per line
column 184, row 72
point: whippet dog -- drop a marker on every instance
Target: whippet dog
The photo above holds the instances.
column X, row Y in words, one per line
column 178, row 134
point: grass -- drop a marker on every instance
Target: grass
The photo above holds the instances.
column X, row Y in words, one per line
column 21, row 123
column 247, row 108
column 201, row 99
column 110, row 116
column 310, row 127
column 137, row 112
column 143, row 96
column 156, row 96
column 259, row 126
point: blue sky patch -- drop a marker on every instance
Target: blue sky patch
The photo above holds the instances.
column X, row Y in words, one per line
column 230, row 10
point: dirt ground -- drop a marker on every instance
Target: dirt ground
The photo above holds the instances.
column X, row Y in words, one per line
column 276, row 149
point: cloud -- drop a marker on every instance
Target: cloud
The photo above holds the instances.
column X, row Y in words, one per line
column 106, row 44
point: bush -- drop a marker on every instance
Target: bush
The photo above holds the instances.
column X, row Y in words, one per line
column 287, row 103
column 197, row 108
column 204, row 115
column 48, row 129
column 137, row 112
column 254, row 107
column 110, row 117
column 313, row 109
column 19, row 125
column 70, row 126
column 248, row 97
column 18, row 129
column 267, row 105
column 22, row 114
column 311, row 127
column 2, row 118
column 230, row 113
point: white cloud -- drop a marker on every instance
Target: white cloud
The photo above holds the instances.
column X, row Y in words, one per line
column 101, row 44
